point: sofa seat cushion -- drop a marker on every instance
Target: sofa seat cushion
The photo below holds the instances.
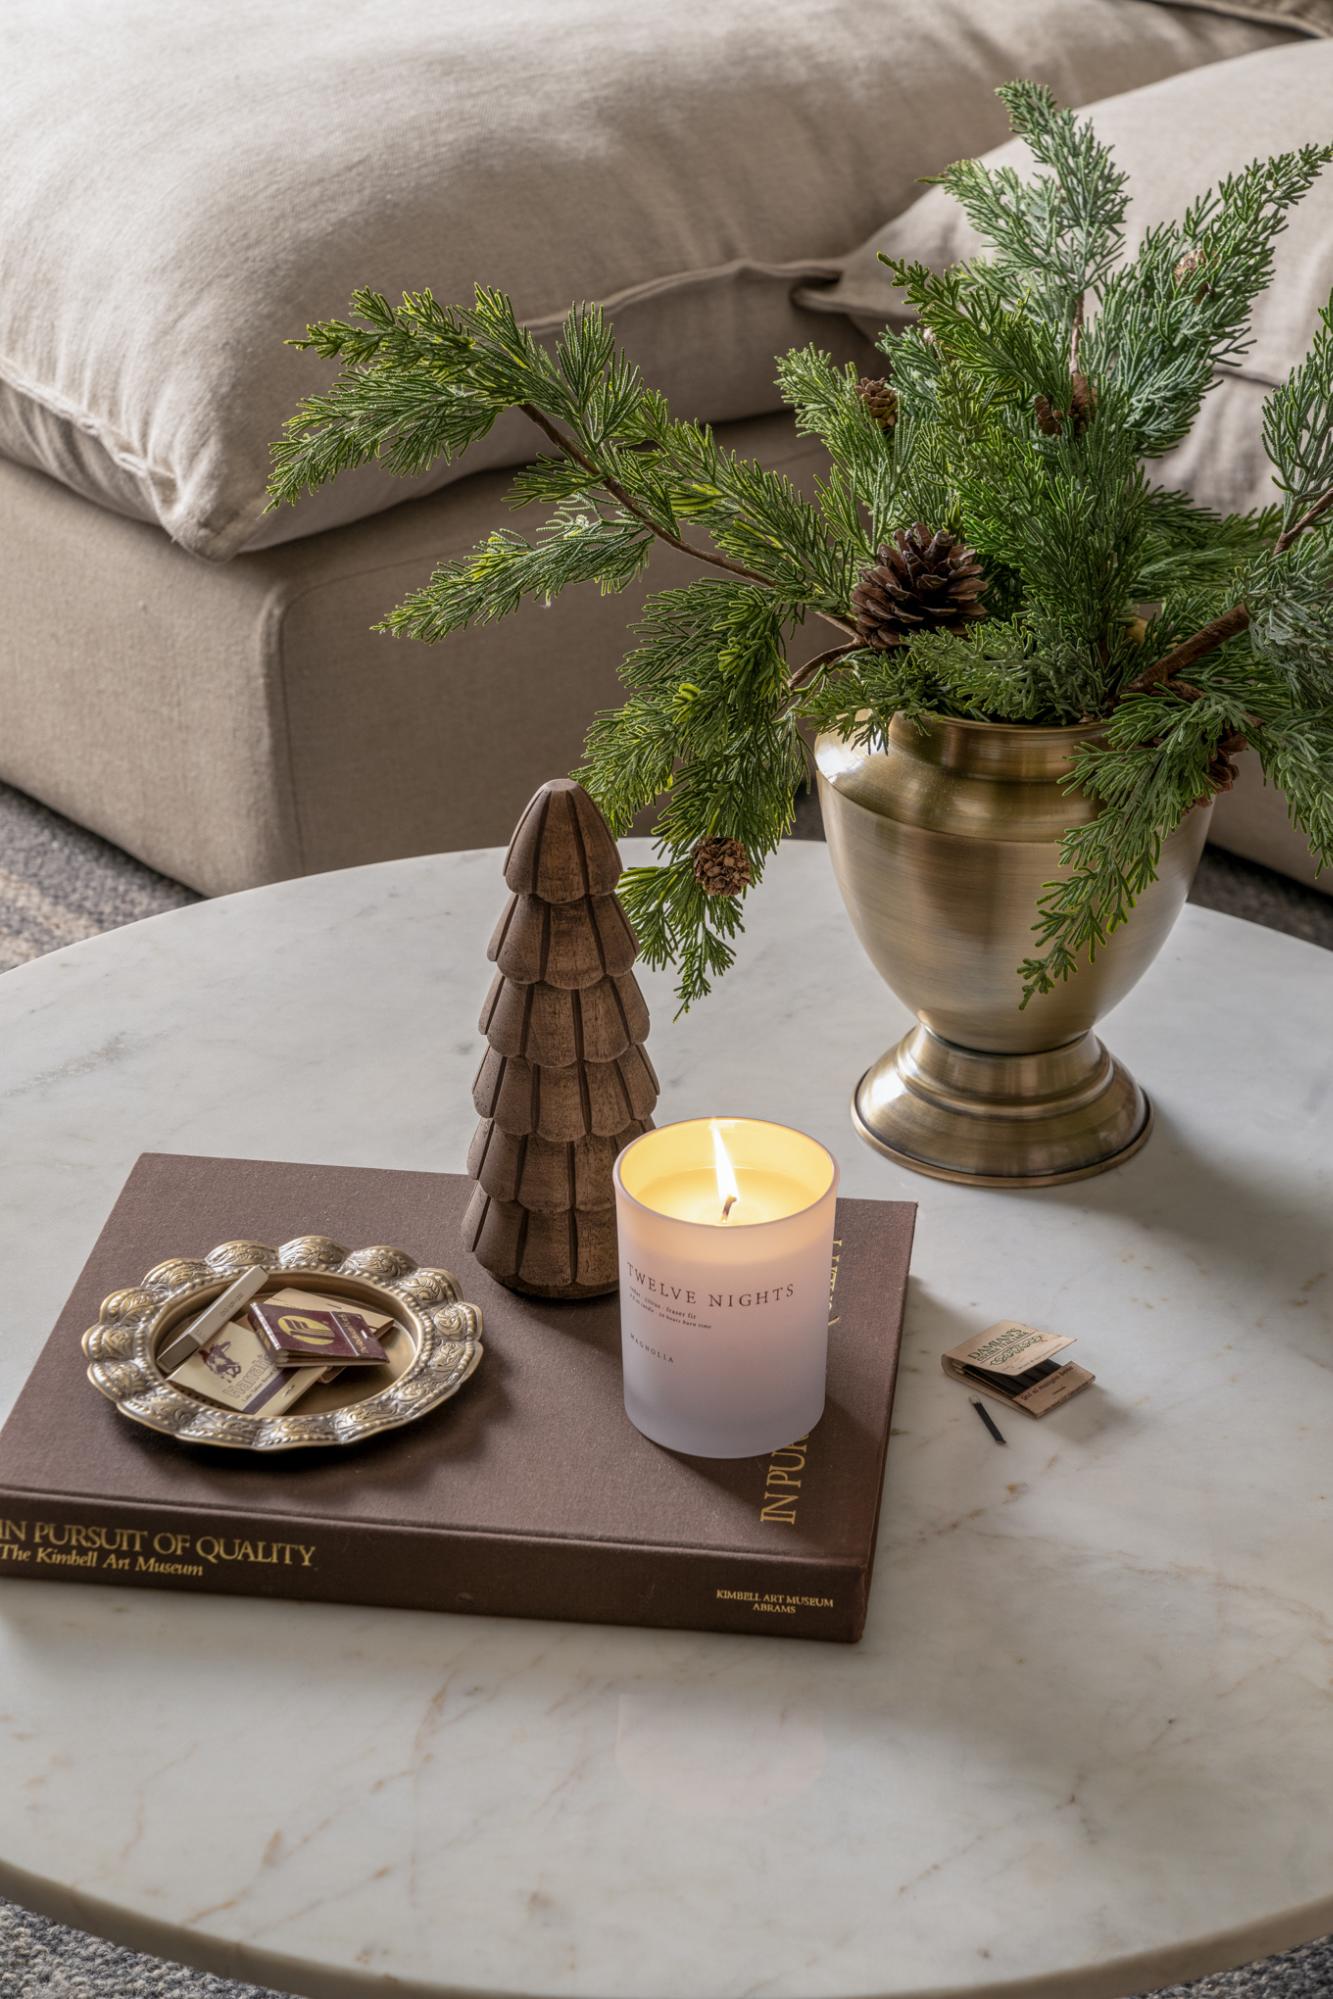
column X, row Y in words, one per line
column 1174, row 138
column 184, row 187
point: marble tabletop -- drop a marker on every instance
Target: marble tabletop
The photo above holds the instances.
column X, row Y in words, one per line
column 1086, row 1746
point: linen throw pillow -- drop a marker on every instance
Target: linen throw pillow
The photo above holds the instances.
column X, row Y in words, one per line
column 184, row 187
column 1174, row 139
column 1312, row 17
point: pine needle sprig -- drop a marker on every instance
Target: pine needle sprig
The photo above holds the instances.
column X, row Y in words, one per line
column 1296, row 752
column 1178, row 312
column 860, row 701
column 1057, row 233
column 1153, row 767
column 757, row 517
column 492, row 581
column 857, row 496
column 709, row 735
column 1005, row 347
column 1011, row 426
column 1185, row 543
column 1298, row 428
column 1289, row 599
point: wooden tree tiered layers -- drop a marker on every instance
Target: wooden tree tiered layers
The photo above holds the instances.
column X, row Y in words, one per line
column 565, row 1082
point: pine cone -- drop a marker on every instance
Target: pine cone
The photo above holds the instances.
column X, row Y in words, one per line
column 921, row 583
column 1188, row 269
column 1222, row 773
column 722, row 866
column 1049, row 420
column 880, row 400
column 1082, row 403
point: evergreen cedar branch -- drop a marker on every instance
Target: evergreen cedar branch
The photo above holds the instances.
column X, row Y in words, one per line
column 1026, row 397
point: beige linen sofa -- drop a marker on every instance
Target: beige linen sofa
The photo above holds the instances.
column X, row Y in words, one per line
column 182, row 189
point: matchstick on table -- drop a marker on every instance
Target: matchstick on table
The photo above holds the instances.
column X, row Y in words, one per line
column 990, row 1423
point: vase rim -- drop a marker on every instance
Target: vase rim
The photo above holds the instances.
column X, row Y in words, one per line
column 933, row 716
column 1020, row 752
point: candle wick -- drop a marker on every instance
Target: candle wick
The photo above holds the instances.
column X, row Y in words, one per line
column 727, row 1206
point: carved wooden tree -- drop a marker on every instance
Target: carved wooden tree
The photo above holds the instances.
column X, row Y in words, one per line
column 565, row 1082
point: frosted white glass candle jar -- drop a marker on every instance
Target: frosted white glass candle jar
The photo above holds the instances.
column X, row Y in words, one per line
column 726, row 1248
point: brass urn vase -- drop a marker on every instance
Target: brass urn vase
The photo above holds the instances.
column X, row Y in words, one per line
column 942, row 840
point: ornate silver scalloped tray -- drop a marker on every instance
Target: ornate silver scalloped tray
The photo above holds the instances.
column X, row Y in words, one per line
column 434, row 1345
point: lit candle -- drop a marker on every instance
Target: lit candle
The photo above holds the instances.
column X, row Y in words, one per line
column 726, row 1251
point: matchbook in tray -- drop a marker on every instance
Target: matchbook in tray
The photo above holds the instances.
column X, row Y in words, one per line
column 528, row 1494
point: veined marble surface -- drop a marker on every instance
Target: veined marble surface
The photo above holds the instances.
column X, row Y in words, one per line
column 1086, row 1746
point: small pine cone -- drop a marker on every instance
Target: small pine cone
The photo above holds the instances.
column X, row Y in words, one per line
column 1187, row 272
column 921, row 583
column 880, row 400
column 1049, row 420
column 1222, row 773
column 1082, row 403
column 722, row 866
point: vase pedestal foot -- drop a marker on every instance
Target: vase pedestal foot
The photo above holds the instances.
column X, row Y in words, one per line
column 991, row 1120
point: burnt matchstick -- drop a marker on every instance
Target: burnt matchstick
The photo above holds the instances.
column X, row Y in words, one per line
column 990, row 1423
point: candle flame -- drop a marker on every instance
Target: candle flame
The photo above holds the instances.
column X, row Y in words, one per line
column 728, row 1193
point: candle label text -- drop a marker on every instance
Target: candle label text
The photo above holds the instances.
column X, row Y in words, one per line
column 644, row 1286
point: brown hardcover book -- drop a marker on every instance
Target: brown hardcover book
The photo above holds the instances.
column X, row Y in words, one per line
column 529, row 1494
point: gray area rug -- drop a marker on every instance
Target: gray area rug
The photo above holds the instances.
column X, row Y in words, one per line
column 39, row 1960
column 59, row 884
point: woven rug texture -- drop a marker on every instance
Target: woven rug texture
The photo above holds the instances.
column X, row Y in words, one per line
column 59, row 884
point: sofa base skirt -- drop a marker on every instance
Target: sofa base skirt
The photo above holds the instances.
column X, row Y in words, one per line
column 241, row 723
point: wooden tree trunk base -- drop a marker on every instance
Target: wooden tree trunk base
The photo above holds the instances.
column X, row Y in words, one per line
column 554, row 1293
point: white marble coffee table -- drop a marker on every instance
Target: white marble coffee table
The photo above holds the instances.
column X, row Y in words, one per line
column 1087, row 1744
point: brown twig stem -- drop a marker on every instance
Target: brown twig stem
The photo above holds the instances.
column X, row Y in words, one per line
column 1209, row 637
column 806, row 673
column 1197, row 646
column 1306, row 521
column 1076, row 333
column 631, row 506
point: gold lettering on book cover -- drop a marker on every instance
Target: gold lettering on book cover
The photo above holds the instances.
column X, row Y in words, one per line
column 773, row 1602
column 782, row 1483
column 89, row 1544
column 784, row 1477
